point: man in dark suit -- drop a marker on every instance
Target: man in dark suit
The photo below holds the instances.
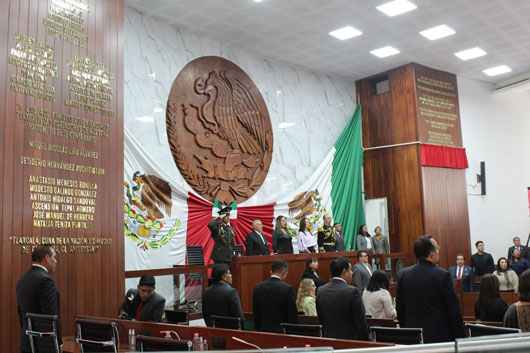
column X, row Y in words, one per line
column 37, row 293
column 340, row 308
column 273, row 301
column 362, row 271
column 426, row 296
column 339, row 239
column 220, row 298
column 481, row 261
column 143, row 304
column 223, row 235
column 525, row 252
column 256, row 244
column 465, row 273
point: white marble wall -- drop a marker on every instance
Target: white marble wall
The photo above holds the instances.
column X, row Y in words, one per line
column 308, row 111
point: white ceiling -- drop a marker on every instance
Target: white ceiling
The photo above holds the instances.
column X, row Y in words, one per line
column 295, row 32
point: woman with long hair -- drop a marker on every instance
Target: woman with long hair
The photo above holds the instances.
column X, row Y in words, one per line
column 306, row 299
column 282, row 242
column 518, row 314
column 306, row 241
column 490, row 306
column 364, row 240
column 311, row 271
column 376, row 298
column 518, row 263
column 507, row 277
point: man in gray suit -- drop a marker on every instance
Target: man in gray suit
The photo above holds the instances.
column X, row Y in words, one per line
column 362, row 271
column 340, row 308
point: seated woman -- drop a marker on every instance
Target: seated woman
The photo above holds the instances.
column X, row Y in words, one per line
column 508, row 280
column 518, row 314
column 376, row 298
column 311, row 271
column 517, row 263
column 490, row 306
column 306, row 299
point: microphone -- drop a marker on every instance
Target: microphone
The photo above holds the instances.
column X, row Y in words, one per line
column 245, row 342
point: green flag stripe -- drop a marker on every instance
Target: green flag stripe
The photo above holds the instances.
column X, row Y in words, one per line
column 346, row 181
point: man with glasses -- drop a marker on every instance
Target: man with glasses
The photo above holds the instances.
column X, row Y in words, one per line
column 143, row 304
column 426, row 296
column 362, row 271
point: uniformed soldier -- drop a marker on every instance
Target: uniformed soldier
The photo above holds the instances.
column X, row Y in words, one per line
column 326, row 236
column 223, row 236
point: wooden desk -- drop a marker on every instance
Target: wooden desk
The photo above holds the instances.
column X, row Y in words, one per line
column 263, row 340
column 250, row 270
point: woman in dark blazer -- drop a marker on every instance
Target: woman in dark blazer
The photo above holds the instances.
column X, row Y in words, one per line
column 311, row 271
column 282, row 242
column 490, row 306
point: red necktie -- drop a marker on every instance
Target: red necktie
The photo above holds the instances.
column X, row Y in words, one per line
column 139, row 311
column 459, row 272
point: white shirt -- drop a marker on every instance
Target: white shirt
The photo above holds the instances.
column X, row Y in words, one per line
column 342, row 279
column 37, row 265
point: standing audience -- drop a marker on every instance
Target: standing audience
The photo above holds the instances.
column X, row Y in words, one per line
column 282, row 242
column 518, row 314
column 518, row 263
column 490, row 306
column 220, row 298
column 274, row 301
column 362, row 271
column 306, row 299
column 339, row 305
column 463, row 272
column 256, row 243
column 525, row 251
column 376, row 298
column 426, row 296
column 311, row 271
column 339, row 239
column 364, row 240
column 307, row 242
column 481, row 261
column 508, row 280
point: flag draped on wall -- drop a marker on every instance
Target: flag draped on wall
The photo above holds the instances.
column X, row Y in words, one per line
column 162, row 214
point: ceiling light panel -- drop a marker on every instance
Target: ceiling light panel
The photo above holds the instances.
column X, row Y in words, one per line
column 497, row 70
column 470, row 54
column 437, row 32
column 396, row 7
column 384, row 52
column 345, row 33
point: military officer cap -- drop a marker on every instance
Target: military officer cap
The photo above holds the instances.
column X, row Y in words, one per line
column 225, row 211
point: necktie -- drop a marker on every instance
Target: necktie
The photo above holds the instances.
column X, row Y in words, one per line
column 262, row 238
column 459, row 272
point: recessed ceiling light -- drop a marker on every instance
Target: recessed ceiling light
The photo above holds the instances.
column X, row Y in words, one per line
column 384, row 52
column 396, row 7
column 497, row 70
column 437, row 32
column 345, row 33
column 258, row 0
column 470, row 53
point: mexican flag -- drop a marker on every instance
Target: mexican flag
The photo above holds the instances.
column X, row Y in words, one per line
column 157, row 238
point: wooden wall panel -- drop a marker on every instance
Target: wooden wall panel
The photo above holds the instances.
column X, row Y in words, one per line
column 89, row 283
column 395, row 174
column 446, row 213
column 421, row 200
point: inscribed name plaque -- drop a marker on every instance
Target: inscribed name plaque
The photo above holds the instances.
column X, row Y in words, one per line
column 437, row 107
column 61, row 152
column 219, row 130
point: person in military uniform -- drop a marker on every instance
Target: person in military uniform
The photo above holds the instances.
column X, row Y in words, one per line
column 326, row 236
column 223, row 236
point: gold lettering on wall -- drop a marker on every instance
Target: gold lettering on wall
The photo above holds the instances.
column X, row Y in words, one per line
column 62, row 203
column 74, row 245
column 89, row 86
column 66, row 20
